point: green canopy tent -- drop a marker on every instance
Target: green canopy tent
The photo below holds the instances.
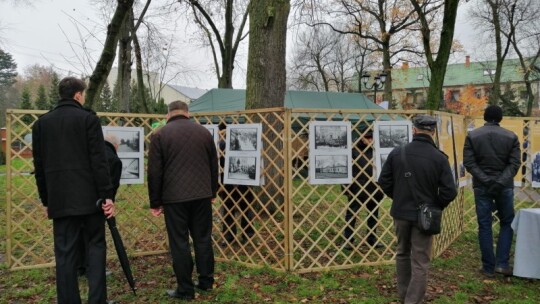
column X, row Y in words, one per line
column 221, row 100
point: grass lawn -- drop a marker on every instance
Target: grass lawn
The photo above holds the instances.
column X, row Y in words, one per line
column 453, row 279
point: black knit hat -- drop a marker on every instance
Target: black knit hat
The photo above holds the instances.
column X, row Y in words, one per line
column 493, row 113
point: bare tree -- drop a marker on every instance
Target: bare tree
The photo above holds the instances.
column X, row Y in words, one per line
column 217, row 21
column 524, row 35
column 324, row 61
column 437, row 57
column 385, row 23
column 104, row 64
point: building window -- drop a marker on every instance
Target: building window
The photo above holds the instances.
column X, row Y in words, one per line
column 420, row 77
column 523, row 95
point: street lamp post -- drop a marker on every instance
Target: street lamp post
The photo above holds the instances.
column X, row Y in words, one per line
column 378, row 83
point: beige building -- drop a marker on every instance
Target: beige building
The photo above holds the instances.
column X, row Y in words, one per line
column 168, row 92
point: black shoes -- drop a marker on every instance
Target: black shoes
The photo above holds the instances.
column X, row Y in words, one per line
column 506, row 271
column 182, row 296
column 203, row 287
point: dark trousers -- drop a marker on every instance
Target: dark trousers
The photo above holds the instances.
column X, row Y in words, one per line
column 237, row 203
column 193, row 218
column 412, row 261
column 372, row 206
column 68, row 234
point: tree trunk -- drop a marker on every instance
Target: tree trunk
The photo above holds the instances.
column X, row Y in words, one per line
column 266, row 87
column 387, row 68
column 124, row 64
column 266, row 59
column 104, row 64
column 438, row 67
column 139, row 70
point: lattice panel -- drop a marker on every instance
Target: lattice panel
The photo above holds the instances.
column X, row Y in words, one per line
column 30, row 241
column 260, row 209
column 318, row 211
column 295, row 225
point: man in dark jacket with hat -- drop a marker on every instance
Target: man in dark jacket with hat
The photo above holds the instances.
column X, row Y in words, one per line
column 492, row 155
column 432, row 183
column 71, row 173
column 362, row 191
column 182, row 183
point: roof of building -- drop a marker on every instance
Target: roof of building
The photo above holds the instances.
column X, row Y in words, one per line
column 217, row 100
column 476, row 73
column 191, row 93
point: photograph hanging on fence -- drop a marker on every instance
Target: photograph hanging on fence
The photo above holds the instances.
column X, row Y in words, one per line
column 243, row 155
column 330, row 152
column 243, row 139
column 330, row 137
column 214, row 130
column 130, row 151
column 386, row 136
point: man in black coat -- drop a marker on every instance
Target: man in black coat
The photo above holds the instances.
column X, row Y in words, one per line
column 492, row 155
column 432, row 182
column 182, row 183
column 71, row 173
column 362, row 191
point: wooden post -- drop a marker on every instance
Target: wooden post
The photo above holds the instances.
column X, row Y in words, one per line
column 9, row 236
column 287, row 184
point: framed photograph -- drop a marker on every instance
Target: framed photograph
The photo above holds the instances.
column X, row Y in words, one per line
column 331, row 166
column 386, row 136
column 130, row 151
column 243, row 139
column 535, row 170
column 330, row 137
column 242, row 167
column 130, row 168
column 243, row 155
column 330, row 154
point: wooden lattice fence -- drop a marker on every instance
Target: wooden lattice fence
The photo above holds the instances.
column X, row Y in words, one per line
column 297, row 226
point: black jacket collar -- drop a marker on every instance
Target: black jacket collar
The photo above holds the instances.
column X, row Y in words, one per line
column 177, row 117
column 492, row 124
column 69, row 102
column 424, row 138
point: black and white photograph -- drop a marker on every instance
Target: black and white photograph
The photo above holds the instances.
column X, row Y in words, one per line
column 242, row 167
column 130, row 141
column 130, row 151
column 330, row 137
column 386, row 136
column 130, row 168
column 331, row 166
column 393, row 136
column 244, row 139
column 243, row 155
column 535, row 170
column 330, row 152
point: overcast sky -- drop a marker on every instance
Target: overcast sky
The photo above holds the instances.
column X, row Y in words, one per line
column 40, row 34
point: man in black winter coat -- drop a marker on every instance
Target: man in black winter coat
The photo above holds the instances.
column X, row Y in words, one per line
column 362, row 191
column 492, row 155
column 432, row 183
column 182, row 184
column 71, row 174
